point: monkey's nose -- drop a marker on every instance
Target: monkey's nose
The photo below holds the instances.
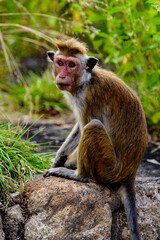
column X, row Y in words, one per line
column 62, row 77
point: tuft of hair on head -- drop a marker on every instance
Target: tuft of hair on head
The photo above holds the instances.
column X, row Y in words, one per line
column 71, row 47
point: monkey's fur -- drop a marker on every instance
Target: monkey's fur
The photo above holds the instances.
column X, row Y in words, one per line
column 109, row 139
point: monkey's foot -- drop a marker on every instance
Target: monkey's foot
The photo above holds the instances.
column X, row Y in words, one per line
column 65, row 173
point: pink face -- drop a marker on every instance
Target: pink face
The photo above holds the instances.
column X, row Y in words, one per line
column 66, row 72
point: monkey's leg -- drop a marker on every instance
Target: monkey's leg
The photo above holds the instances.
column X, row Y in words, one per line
column 72, row 160
column 96, row 157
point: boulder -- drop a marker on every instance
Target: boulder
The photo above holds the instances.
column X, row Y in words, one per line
column 65, row 209
column 148, row 205
column 148, row 212
column 14, row 223
column 57, row 208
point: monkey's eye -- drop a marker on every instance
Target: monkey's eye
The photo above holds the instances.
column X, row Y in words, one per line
column 71, row 64
column 60, row 63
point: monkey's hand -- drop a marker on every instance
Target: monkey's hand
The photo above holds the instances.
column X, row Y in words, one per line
column 65, row 173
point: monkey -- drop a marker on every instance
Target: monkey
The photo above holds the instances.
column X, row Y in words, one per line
column 109, row 138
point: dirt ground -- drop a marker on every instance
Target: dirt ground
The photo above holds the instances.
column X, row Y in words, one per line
column 54, row 133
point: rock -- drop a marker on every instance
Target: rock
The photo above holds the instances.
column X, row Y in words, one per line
column 2, row 236
column 148, row 205
column 66, row 209
column 148, row 212
column 14, row 223
column 61, row 209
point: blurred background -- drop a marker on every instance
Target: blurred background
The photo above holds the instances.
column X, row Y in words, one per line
column 124, row 35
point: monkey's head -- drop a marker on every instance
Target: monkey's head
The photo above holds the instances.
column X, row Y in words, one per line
column 71, row 65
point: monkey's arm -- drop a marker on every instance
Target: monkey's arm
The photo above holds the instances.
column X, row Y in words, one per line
column 67, row 147
column 66, row 173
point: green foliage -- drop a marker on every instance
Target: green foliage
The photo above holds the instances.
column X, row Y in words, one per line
column 124, row 35
column 18, row 163
column 37, row 95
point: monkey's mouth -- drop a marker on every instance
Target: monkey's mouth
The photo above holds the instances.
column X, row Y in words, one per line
column 63, row 85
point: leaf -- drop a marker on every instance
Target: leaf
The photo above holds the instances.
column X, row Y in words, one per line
column 96, row 17
column 152, row 79
column 127, row 50
column 156, row 117
column 116, row 9
column 98, row 42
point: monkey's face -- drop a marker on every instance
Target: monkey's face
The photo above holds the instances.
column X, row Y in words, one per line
column 71, row 71
column 67, row 72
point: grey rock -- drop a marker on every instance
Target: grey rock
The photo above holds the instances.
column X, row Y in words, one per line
column 148, row 205
column 148, row 212
column 58, row 208
column 14, row 223
column 2, row 235
column 65, row 209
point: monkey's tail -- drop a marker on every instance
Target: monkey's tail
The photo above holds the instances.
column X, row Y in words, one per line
column 128, row 198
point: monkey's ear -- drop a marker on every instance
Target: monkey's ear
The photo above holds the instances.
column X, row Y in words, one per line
column 91, row 62
column 50, row 55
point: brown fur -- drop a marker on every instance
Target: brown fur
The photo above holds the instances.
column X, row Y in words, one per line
column 125, row 127
column 71, row 47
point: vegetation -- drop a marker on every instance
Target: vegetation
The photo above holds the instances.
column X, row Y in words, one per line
column 37, row 95
column 18, row 163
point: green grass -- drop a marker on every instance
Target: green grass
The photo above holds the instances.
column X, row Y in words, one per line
column 19, row 159
column 37, row 95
